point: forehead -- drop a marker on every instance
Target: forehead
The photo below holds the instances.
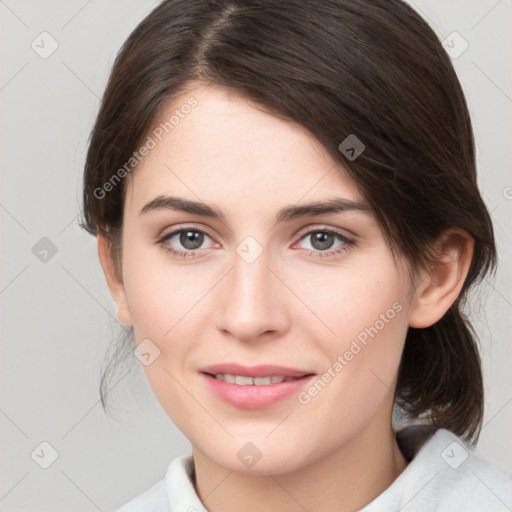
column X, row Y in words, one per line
column 214, row 143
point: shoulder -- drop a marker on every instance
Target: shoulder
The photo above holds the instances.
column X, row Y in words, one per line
column 465, row 480
column 444, row 475
column 158, row 497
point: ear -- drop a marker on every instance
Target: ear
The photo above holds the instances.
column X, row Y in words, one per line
column 114, row 280
column 441, row 283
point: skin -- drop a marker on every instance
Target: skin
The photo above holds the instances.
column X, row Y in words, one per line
column 290, row 307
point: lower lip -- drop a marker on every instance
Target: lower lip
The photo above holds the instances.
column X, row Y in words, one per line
column 255, row 397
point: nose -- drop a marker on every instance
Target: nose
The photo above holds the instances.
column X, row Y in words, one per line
column 251, row 301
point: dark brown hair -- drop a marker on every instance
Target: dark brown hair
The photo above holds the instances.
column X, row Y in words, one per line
column 370, row 68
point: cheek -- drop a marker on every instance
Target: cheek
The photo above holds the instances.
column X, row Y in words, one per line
column 168, row 305
column 353, row 302
column 362, row 321
column 162, row 297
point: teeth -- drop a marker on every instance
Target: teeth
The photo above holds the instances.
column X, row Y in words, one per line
column 263, row 380
column 243, row 380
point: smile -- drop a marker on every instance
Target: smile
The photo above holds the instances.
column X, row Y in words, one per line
column 243, row 380
column 254, row 387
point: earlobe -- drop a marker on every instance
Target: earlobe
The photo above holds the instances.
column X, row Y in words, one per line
column 114, row 280
column 441, row 284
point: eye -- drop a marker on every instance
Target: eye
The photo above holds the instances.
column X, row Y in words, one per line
column 189, row 238
column 322, row 242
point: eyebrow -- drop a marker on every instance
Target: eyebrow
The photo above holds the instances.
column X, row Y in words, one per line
column 328, row 206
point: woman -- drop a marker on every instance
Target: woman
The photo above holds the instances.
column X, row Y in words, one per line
column 288, row 218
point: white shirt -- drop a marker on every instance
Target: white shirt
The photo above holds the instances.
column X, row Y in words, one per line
column 442, row 476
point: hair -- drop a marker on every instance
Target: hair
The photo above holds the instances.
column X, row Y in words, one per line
column 369, row 68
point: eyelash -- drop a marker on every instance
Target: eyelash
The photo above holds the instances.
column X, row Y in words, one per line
column 347, row 243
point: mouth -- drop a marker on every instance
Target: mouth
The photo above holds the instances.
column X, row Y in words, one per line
column 254, row 387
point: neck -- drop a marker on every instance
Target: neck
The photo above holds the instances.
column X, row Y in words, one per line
column 347, row 479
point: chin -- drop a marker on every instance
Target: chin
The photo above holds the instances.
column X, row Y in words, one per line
column 261, row 458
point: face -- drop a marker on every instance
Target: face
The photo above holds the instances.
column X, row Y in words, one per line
column 265, row 288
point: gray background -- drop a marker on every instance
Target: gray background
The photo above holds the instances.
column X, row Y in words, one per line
column 57, row 317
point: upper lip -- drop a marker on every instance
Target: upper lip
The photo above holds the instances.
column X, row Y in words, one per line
column 261, row 370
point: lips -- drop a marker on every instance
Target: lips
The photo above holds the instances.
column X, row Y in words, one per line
column 254, row 387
